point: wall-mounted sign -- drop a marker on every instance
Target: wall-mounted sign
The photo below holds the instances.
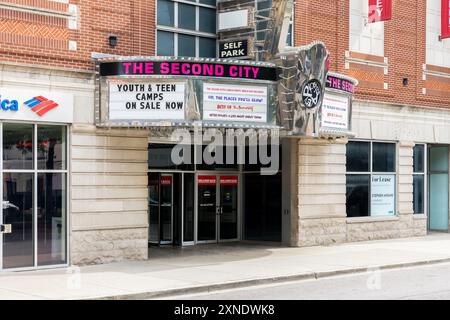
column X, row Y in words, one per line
column 339, row 84
column 236, row 19
column 335, row 111
column 234, row 49
column 311, row 94
column 445, row 19
column 206, row 180
column 223, row 102
column 187, row 69
column 228, row 180
column 36, row 105
column 166, row 180
column 382, row 195
column 380, row 10
column 146, row 100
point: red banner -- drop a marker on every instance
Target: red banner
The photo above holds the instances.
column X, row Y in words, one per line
column 166, row 180
column 206, row 180
column 445, row 18
column 228, row 180
column 380, row 10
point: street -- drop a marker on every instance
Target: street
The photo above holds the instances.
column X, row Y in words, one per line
column 423, row 282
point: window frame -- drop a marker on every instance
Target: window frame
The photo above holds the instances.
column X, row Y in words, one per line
column 425, row 179
column 176, row 30
column 370, row 173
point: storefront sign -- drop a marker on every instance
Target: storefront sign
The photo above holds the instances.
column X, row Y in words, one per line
column 166, row 180
column 339, row 84
column 228, row 180
column 383, row 195
column 233, row 49
column 335, row 111
column 234, row 103
column 445, row 19
column 206, row 180
column 146, row 100
column 380, row 10
column 187, row 69
column 36, row 105
column 237, row 19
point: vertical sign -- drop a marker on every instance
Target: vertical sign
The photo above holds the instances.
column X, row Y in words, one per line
column 445, row 18
column 380, row 10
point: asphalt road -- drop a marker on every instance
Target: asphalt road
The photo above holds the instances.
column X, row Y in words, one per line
column 422, row 282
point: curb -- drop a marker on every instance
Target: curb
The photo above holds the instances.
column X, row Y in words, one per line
column 261, row 281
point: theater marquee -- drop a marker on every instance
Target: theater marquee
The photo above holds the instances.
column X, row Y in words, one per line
column 171, row 92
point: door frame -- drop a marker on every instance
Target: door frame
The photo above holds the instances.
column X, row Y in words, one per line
column 217, row 174
column 171, row 209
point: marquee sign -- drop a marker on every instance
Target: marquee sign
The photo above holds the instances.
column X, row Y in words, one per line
column 188, row 69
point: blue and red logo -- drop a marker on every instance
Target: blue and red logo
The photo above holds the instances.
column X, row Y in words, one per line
column 41, row 105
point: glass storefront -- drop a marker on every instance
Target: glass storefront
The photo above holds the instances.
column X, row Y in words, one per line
column 211, row 203
column 34, row 188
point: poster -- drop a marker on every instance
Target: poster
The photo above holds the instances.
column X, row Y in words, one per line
column 383, row 195
column 335, row 111
column 146, row 100
column 222, row 102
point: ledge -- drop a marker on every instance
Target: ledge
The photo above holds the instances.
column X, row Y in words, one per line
column 420, row 216
column 372, row 219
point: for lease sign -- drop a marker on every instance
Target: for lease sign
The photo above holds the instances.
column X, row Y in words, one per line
column 146, row 100
column 223, row 102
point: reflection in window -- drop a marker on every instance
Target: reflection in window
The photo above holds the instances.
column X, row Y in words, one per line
column 17, row 146
column 51, row 147
column 165, row 43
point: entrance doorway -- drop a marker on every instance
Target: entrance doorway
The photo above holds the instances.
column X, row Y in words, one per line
column 218, row 208
column 438, row 184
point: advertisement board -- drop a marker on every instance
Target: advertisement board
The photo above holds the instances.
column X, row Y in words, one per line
column 146, row 100
column 335, row 111
column 235, row 19
column 383, row 195
column 223, row 102
column 36, row 105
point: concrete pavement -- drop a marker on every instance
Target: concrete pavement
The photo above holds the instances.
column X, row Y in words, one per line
column 207, row 268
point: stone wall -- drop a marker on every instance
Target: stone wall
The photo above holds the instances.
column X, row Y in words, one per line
column 109, row 219
column 321, row 192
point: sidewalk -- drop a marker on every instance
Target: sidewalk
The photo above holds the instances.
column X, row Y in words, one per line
column 204, row 268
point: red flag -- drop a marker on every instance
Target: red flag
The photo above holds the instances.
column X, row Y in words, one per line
column 445, row 18
column 380, row 10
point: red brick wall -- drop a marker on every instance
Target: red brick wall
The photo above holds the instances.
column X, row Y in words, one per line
column 404, row 47
column 28, row 37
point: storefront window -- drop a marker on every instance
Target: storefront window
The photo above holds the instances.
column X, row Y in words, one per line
column 34, row 201
column 419, row 179
column 186, row 29
column 371, row 179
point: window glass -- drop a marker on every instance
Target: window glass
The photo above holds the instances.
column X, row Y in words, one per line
column 186, row 45
column 439, row 159
column 165, row 43
column 186, row 16
column 358, row 154
column 419, row 158
column 418, row 193
column 17, row 146
column 207, row 47
column 209, row 2
column 51, row 218
column 166, row 13
column 358, row 195
column 383, row 157
column 51, row 147
column 207, row 20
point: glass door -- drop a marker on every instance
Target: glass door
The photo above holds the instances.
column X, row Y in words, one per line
column 166, row 209
column 207, row 209
column 153, row 208
column 438, row 188
column 228, row 204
